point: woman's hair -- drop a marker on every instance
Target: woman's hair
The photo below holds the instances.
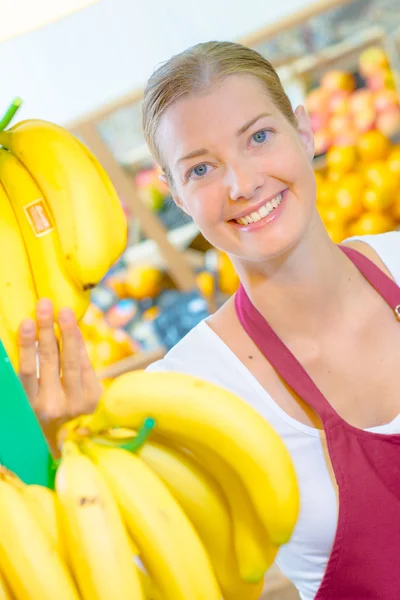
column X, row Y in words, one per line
column 195, row 70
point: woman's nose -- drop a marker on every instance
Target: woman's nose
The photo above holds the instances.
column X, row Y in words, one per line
column 243, row 181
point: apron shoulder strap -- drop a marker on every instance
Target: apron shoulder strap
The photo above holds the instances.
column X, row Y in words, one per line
column 387, row 288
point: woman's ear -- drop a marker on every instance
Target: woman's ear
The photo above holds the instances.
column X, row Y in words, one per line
column 305, row 131
column 164, row 178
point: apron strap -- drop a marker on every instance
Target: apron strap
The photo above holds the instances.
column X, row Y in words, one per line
column 387, row 288
column 281, row 358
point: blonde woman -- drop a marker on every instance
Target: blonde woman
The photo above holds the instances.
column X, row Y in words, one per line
column 312, row 338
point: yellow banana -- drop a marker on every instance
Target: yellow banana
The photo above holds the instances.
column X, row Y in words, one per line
column 118, row 228
column 254, row 553
column 41, row 239
column 98, row 546
column 148, row 586
column 203, row 501
column 77, row 197
column 187, row 408
column 17, row 289
column 169, row 545
column 34, row 568
column 5, row 593
column 46, row 508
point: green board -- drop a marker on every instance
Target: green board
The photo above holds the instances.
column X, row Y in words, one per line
column 23, row 447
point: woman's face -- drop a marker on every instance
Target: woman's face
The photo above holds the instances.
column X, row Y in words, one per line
column 240, row 169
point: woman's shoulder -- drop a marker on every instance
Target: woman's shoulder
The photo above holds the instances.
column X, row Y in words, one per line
column 383, row 249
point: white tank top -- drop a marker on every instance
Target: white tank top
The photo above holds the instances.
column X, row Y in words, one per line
column 202, row 353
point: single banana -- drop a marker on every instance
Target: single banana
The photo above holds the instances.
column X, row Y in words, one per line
column 5, row 593
column 17, row 288
column 46, row 508
column 77, row 197
column 254, row 553
column 168, row 543
column 34, row 568
column 40, row 236
column 118, row 227
column 188, row 408
column 148, row 586
column 98, row 546
column 203, row 501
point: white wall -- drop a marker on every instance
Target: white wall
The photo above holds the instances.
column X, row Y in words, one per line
column 75, row 65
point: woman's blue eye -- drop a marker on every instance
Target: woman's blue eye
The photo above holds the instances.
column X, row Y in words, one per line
column 199, row 170
column 261, row 136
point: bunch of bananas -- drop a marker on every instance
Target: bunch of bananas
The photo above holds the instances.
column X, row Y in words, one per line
column 61, row 223
column 192, row 507
column 194, row 511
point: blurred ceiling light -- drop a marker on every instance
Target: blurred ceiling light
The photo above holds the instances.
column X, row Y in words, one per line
column 22, row 16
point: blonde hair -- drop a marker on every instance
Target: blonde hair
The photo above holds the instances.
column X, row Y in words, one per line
column 196, row 69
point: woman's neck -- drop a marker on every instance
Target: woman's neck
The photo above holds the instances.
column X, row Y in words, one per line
column 304, row 292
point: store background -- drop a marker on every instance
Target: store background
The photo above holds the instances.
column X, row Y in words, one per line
column 68, row 68
column 87, row 71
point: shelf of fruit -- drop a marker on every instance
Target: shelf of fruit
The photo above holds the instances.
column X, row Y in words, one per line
column 356, row 123
column 136, row 313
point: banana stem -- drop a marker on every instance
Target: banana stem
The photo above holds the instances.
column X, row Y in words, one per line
column 134, row 444
column 10, row 112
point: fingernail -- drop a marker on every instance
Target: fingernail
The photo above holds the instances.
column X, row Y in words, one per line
column 65, row 315
column 44, row 305
column 27, row 327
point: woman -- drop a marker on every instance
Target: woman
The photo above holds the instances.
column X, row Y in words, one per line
column 311, row 339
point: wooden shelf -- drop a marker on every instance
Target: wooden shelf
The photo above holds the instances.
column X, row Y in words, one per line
column 148, row 250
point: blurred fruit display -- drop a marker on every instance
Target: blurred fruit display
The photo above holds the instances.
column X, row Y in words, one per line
column 342, row 110
column 358, row 192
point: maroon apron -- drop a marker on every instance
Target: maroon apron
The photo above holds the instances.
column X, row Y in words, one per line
column 365, row 560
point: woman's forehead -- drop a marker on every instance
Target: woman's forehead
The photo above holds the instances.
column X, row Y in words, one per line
column 224, row 107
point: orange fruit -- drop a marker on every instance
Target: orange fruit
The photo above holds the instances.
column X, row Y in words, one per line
column 396, row 207
column 342, row 159
column 206, row 283
column 373, row 222
column 379, row 175
column 325, row 192
column 377, row 199
column 331, row 215
column 143, row 281
column 349, row 196
column 373, row 145
column 393, row 162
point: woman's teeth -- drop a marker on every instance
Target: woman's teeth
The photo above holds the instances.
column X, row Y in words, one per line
column 262, row 212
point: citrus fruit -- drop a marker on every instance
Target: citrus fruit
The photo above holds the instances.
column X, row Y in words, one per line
column 373, row 145
column 206, row 283
column 332, row 215
column 393, row 162
column 349, row 196
column 379, row 175
column 373, row 222
column 143, row 281
column 342, row 159
column 377, row 199
column 325, row 192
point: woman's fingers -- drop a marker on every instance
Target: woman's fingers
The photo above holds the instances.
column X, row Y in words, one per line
column 71, row 361
column 28, row 358
column 49, row 360
column 92, row 388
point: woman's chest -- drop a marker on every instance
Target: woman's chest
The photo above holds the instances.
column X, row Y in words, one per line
column 355, row 369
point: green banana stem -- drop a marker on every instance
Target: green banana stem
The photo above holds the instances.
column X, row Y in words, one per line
column 132, row 444
column 136, row 443
column 10, row 112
